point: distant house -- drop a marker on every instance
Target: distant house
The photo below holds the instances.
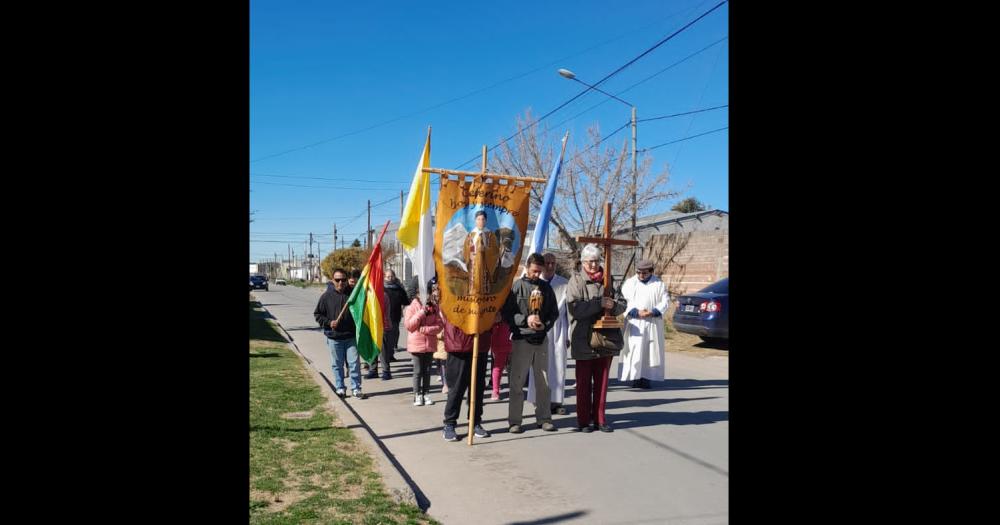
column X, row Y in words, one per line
column 298, row 272
column 690, row 250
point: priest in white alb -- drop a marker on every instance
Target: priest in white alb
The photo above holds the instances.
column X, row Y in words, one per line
column 558, row 340
column 642, row 359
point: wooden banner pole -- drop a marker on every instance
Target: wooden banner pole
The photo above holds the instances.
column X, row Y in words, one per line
column 472, row 388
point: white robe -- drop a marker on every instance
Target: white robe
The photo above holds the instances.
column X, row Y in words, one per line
column 558, row 337
column 642, row 356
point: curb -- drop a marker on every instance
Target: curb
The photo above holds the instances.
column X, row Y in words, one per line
column 393, row 477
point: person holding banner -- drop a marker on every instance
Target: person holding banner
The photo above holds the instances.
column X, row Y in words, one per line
column 338, row 327
column 458, row 378
column 586, row 303
column 530, row 311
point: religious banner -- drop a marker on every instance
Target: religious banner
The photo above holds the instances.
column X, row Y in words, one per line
column 481, row 224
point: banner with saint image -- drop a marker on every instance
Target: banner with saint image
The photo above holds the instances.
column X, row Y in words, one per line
column 479, row 235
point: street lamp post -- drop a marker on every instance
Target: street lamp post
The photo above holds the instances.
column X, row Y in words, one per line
column 565, row 73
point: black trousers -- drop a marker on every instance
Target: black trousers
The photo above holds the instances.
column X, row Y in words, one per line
column 458, row 375
column 389, row 339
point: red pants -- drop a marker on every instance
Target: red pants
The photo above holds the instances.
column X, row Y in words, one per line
column 499, row 361
column 591, row 390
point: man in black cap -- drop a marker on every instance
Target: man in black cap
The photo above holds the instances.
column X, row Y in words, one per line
column 642, row 358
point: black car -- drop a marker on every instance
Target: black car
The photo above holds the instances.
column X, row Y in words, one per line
column 705, row 313
column 258, row 281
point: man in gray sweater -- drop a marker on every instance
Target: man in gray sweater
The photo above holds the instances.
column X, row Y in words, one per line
column 531, row 310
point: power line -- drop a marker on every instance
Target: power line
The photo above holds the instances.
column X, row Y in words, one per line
column 344, row 188
column 605, row 100
column 679, row 62
column 599, row 82
column 302, row 218
column 682, row 114
column 475, row 92
column 660, row 43
column 326, row 178
column 683, row 139
column 288, row 233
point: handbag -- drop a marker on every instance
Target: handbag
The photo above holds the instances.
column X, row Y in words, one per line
column 607, row 340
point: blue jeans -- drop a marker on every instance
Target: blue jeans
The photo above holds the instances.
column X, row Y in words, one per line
column 345, row 350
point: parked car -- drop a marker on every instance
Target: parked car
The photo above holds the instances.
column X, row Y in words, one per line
column 705, row 313
column 258, row 281
column 280, row 281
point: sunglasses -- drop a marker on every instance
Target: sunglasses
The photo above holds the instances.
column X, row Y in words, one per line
column 339, row 280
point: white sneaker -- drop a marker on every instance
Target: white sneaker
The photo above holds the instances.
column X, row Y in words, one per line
column 418, row 400
column 427, row 399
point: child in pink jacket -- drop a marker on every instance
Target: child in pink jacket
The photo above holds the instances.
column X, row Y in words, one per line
column 423, row 323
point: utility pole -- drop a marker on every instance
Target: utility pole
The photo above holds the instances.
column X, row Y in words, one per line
column 400, row 203
column 368, row 232
column 335, row 236
column 635, row 166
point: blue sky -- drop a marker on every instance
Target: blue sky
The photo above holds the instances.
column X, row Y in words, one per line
column 321, row 70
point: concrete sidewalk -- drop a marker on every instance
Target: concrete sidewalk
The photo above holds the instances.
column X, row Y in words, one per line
column 666, row 462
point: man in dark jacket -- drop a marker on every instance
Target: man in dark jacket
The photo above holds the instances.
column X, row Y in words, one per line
column 396, row 300
column 530, row 311
column 339, row 331
column 458, row 377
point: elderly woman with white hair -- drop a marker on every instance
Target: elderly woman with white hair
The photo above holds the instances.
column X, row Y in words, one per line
column 585, row 303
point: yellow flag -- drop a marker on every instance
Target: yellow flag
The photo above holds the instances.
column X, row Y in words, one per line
column 416, row 232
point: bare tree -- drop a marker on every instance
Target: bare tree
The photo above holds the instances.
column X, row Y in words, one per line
column 590, row 176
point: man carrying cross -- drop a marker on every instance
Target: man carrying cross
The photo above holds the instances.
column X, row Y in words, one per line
column 590, row 307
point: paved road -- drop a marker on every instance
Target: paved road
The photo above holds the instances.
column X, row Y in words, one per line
column 666, row 462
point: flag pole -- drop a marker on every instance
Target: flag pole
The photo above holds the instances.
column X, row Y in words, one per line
column 475, row 360
column 379, row 243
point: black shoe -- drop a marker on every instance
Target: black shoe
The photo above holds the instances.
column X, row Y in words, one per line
column 372, row 374
column 481, row 432
column 607, row 428
column 386, row 376
column 449, row 433
column 587, row 429
column 635, row 384
column 559, row 409
column 644, row 383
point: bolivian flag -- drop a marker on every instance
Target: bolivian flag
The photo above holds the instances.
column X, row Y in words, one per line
column 367, row 305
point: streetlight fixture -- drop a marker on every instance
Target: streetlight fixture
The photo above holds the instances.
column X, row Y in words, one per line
column 565, row 73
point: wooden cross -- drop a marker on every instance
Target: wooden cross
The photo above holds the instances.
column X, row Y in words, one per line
column 608, row 321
